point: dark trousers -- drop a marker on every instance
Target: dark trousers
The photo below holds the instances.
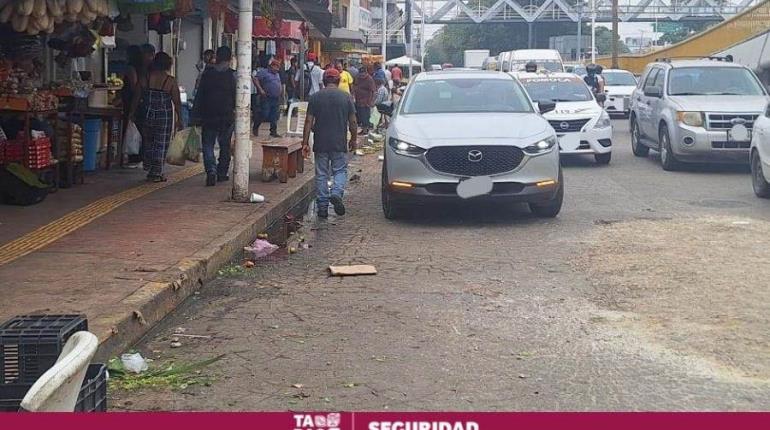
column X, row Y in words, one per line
column 256, row 112
column 270, row 109
column 210, row 135
column 364, row 114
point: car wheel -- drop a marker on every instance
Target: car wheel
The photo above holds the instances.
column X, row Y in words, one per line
column 603, row 158
column 639, row 149
column 389, row 207
column 552, row 207
column 667, row 159
column 758, row 182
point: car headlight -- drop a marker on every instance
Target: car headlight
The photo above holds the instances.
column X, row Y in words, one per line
column 542, row 146
column 404, row 148
column 604, row 121
column 694, row 119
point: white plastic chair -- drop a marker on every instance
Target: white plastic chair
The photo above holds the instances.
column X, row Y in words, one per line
column 57, row 389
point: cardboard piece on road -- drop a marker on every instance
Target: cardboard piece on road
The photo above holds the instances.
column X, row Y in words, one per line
column 355, row 270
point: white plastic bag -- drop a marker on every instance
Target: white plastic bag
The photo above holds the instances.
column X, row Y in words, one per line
column 134, row 362
column 132, row 141
column 261, row 248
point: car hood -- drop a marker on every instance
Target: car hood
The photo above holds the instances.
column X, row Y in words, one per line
column 566, row 110
column 428, row 130
column 721, row 103
column 620, row 90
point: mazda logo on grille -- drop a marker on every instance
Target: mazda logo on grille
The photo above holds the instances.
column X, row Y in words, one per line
column 475, row 155
column 564, row 125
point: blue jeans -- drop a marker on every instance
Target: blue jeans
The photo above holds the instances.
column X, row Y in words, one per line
column 270, row 108
column 334, row 165
column 210, row 135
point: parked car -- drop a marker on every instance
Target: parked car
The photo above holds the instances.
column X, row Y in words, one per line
column 469, row 134
column 760, row 155
column 581, row 124
column 696, row 111
column 618, row 85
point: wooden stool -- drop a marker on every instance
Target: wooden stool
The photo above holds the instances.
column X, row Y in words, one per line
column 282, row 158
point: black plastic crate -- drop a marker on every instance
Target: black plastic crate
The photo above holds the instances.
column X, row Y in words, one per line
column 92, row 397
column 30, row 344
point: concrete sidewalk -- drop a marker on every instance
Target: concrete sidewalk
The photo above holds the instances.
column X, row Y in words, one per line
column 127, row 269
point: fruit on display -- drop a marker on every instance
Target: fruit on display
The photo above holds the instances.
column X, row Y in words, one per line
column 70, row 134
column 40, row 16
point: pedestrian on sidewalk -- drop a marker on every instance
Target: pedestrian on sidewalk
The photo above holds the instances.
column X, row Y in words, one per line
column 311, row 76
column 256, row 99
column 363, row 92
column 346, row 79
column 215, row 103
column 292, row 92
column 161, row 96
column 270, row 89
column 330, row 115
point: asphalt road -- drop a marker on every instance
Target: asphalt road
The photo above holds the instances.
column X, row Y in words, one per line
column 648, row 292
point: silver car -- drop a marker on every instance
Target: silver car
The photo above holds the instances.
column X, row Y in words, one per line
column 473, row 135
column 695, row 111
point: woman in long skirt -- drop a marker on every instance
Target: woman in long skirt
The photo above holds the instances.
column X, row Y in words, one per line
column 160, row 93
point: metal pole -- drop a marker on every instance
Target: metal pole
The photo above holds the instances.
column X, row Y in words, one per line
column 580, row 31
column 411, row 37
column 422, row 34
column 614, row 34
column 384, row 31
column 243, row 104
column 593, row 31
column 529, row 37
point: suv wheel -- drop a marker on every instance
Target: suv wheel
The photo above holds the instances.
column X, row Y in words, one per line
column 639, row 149
column 603, row 158
column 552, row 207
column 667, row 159
column 389, row 207
column 758, row 182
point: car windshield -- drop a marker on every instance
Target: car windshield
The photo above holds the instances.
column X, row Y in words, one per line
column 466, row 95
column 619, row 78
column 557, row 89
column 550, row 65
column 709, row 81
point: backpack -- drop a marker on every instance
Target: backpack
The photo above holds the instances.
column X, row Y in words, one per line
column 308, row 78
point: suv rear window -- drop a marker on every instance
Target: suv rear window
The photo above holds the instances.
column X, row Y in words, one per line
column 713, row 81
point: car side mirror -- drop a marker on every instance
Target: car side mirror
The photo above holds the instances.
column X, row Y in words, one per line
column 601, row 97
column 653, row 92
column 385, row 108
column 545, row 107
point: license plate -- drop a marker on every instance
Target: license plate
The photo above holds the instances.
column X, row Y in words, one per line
column 474, row 187
column 739, row 133
column 569, row 141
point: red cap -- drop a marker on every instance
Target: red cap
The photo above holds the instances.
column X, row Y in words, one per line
column 275, row 61
column 311, row 56
column 331, row 73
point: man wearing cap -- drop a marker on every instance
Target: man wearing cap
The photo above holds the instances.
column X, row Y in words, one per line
column 269, row 86
column 330, row 116
column 314, row 73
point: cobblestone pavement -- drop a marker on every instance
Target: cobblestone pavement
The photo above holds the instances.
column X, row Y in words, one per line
column 486, row 308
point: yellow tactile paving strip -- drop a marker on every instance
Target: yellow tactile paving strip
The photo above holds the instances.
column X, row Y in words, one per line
column 65, row 225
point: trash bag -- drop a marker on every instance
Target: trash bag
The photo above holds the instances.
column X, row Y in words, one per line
column 261, row 248
column 176, row 149
column 192, row 148
column 132, row 141
column 134, row 362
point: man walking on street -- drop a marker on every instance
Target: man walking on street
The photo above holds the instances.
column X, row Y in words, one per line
column 311, row 76
column 364, row 91
column 397, row 75
column 270, row 89
column 215, row 104
column 330, row 116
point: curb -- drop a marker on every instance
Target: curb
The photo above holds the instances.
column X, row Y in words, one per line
column 152, row 302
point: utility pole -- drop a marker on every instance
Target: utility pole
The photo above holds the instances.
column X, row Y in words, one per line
column 384, row 31
column 243, row 103
column 411, row 36
column 614, row 34
column 593, row 31
column 422, row 34
column 579, row 30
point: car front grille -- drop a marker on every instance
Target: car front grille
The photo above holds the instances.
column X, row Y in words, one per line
column 724, row 121
column 730, row 145
column 568, row 125
column 465, row 160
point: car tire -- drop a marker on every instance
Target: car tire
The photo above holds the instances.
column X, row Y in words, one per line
column 758, row 182
column 639, row 149
column 552, row 207
column 667, row 159
column 603, row 158
column 389, row 207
